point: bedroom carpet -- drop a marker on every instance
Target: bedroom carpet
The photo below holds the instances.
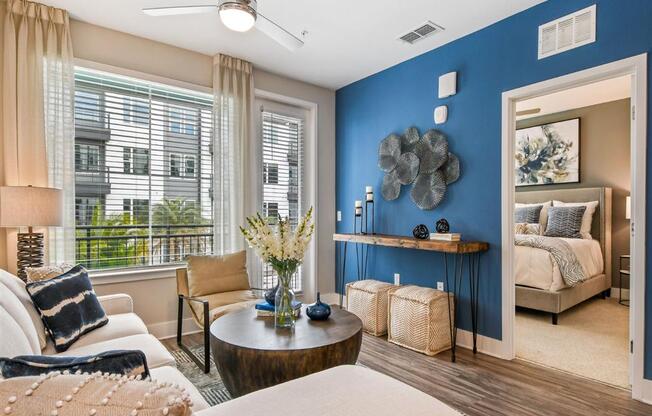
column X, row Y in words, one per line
column 591, row 340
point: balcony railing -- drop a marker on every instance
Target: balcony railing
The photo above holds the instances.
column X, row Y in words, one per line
column 104, row 247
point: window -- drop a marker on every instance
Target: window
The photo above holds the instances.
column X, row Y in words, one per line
column 168, row 219
column 138, row 210
column 270, row 211
column 86, row 208
column 182, row 165
column 87, row 157
column 189, row 166
column 183, row 120
column 88, row 108
column 136, row 111
column 135, row 160
column 282, row 163
column 175, row 165
column 270, row 173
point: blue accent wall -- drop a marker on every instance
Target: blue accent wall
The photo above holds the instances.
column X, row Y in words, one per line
column 498, row 58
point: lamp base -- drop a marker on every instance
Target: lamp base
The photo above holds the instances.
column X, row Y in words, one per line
column 29, row 253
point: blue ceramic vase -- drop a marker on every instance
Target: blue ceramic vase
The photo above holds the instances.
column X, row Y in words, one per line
column 318, row 311
column 270, row 295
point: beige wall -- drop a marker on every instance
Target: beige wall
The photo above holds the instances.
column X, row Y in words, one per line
column 604, row 161
column 155, row 300
column 3, row 238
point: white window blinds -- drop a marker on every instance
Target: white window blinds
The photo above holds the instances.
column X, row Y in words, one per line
column 143, row 176
column 283, row 161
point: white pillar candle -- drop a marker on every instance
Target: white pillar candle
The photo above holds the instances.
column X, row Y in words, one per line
column 358, row 204
column 369, row 189
column 358, row 211
column 370, row 196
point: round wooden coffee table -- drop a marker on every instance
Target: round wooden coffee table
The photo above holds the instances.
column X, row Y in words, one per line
column 251, row 354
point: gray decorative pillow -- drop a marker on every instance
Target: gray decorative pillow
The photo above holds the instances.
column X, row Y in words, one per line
column 528, row 215
column 565, row 222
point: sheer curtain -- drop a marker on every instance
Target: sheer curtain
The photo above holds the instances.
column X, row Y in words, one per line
column 38, row 124
column 233, row 89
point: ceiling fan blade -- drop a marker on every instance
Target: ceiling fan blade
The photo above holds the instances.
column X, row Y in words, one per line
column 178, row 10
column 528, row 112
column 277, row 33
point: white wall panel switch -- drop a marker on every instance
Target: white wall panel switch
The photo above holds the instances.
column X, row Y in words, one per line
column 339, row 216
column 440, row 286
column 397, row 279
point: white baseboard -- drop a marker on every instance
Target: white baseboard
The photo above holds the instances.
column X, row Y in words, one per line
column 162, row 330
column 486, row 345
column 615, row 290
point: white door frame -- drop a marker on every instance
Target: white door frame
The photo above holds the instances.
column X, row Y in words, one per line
column 636, row 67
column 309, row 283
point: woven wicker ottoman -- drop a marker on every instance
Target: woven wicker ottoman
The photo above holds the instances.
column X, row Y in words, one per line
column 418, row 319
column 368, row 300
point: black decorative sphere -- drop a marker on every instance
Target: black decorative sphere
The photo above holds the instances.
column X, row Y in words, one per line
column 443, row 226
column 421, row 232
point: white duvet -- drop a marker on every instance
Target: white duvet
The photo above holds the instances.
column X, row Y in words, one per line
column 536, row 268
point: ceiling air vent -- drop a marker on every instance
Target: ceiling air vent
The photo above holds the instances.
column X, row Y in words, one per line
column 423, row 31
column 569, row 32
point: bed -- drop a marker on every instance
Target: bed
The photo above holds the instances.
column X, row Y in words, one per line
column 539, row 284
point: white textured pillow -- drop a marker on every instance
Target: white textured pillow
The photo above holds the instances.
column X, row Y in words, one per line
column 587, row 219
column 528, row 229
column 543, row 217
column 36, row 274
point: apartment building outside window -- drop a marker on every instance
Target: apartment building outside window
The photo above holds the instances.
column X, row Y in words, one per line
column 143, row 171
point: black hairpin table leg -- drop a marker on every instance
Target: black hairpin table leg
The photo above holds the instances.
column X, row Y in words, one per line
column 473, row 261
column 341, row 278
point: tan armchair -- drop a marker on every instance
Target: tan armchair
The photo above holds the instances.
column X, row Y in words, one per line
column 213, row 286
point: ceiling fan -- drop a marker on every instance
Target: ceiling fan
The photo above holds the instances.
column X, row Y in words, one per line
column 237, row 15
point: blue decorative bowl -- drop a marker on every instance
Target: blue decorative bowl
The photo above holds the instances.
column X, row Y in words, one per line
column 318, row 311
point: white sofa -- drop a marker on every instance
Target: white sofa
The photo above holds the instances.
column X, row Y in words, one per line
column 346, row 390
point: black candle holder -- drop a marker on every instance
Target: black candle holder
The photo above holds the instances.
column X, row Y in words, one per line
column 358, row 218
column 369, row 207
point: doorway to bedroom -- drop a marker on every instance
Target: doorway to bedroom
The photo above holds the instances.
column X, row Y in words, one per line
column 574, row 192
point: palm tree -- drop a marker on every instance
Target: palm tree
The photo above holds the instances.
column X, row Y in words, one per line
column 174, row 214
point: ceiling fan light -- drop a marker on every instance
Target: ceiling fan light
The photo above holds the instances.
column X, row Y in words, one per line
column 237, row 18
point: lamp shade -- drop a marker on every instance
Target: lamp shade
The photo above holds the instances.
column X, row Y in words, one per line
column 628, row 208
column 27, row 206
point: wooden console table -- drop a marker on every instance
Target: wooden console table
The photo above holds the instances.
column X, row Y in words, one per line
column 461, row 252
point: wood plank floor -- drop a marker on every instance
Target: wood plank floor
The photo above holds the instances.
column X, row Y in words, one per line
column 482, row 385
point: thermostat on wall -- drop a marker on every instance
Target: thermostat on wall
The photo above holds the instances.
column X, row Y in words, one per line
column 448, row 85
column 441, row 114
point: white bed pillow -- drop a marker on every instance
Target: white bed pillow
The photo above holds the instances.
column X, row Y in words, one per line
column 543, row 217
column 587, row 219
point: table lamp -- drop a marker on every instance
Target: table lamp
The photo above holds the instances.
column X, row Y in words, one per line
column 30, row 206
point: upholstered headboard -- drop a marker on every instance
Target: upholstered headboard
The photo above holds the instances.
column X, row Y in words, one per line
column 601, row 227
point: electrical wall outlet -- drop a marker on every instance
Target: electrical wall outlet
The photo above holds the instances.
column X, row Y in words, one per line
column 440, row 286
column 397, row 279
column 339, row 216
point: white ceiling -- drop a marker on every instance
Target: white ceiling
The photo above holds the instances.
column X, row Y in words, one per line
column 347, row 40
column 596, row 93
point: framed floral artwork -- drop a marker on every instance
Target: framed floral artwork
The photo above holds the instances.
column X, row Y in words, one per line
column 548, row 154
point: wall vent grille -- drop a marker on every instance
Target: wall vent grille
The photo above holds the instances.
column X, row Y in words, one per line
column 568, row 32
column 427, row 29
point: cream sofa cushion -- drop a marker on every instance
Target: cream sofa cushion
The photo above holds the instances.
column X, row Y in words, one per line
column 157, row 355
column 222, row 303
column 16, row 309
column 172, row 375
column 119, row 326
column 217, row 274
column 17, row 287
column 13, row 341
column 86, row 394
column 344, row 390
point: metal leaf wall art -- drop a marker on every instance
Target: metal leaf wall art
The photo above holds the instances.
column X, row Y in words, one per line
column 425, row 162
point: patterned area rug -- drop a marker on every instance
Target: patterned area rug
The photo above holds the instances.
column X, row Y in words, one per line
column 209, row 385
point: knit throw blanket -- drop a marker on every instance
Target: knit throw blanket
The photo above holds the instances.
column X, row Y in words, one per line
column 569, row 267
